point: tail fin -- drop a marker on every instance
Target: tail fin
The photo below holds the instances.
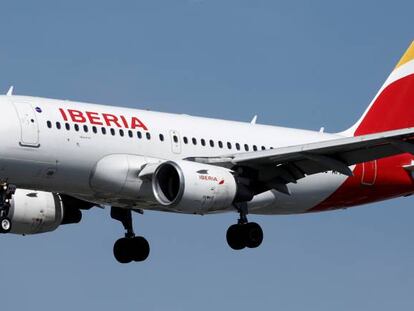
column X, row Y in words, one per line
column 393, row 106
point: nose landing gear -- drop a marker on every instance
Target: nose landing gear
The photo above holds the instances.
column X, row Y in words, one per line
column 6, row 193
column 244, row 233
column 131, row 247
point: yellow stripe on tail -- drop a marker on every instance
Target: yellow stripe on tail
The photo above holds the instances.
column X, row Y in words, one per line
column 408, row 56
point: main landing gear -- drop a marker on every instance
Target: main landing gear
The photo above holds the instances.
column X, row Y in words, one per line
column 6, row 193
column 131, row 247
column 244, row 233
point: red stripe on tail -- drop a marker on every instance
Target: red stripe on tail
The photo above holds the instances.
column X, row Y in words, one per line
column 392, row 110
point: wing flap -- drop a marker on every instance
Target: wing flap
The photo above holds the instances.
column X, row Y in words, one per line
column 291, row 163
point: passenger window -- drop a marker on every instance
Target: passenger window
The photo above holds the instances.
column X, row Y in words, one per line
column 121, row 132
column 67, row 126
column 130, row 134
column 112, row 131
column 211, row 143
column 85, row 128
column 246, row 147
column 220, row 143
column 94, row 129
column 49, row 124
column 58, row 125
column 103, row 130
column 237, row 146
column 76, row 127
column 194, row 141
column 139, row 134
column 254, row 148
column 203, row 142
column 185, row 139
column 175, row 138
column 263, row 148
column 161, row 137
column 229, row 145
column 148, row 135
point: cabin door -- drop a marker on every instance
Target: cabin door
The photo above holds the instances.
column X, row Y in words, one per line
column 29, row 128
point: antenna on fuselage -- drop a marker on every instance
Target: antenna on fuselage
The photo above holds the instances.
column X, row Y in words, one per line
column 253, row 121
column 10, row 91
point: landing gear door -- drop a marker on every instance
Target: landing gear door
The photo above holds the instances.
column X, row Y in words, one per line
column 175, row 142
column 29, row 128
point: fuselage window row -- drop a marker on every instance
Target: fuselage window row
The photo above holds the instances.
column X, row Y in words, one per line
column 175, row 138
column 103, row 130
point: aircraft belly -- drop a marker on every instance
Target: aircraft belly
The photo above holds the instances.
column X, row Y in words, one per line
column 307, row 193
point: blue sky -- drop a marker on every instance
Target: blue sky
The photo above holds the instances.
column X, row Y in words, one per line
column 300, row 64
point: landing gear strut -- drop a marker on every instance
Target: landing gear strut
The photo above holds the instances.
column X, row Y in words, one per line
column 131, row 247
column 244, row 233
column 6, row 193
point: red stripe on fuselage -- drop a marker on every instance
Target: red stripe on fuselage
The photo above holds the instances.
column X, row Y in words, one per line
column 392, row 180
column 393, row 109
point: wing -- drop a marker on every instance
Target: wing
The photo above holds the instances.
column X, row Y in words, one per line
column 273, row 169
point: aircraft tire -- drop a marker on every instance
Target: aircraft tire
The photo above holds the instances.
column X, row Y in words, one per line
column 122, row 250
column 235, row 237
column 253, row 234
column 5, row 225
column 140, row 248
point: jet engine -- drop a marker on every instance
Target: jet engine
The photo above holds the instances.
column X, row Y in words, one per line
column 191, row 187
column 34, row 212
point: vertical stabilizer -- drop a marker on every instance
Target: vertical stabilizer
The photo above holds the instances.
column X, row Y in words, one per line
column 393, row 106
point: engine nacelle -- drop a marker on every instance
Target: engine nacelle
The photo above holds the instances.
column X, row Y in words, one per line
column 34, row 212
column 191, row 187
column 118, row 175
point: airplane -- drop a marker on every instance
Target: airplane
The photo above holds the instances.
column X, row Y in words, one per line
column 60, row 158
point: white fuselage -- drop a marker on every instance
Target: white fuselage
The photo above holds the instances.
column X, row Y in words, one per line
column 39, row 152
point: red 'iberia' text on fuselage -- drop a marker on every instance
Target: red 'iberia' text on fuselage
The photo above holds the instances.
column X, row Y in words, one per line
column 96, row 118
